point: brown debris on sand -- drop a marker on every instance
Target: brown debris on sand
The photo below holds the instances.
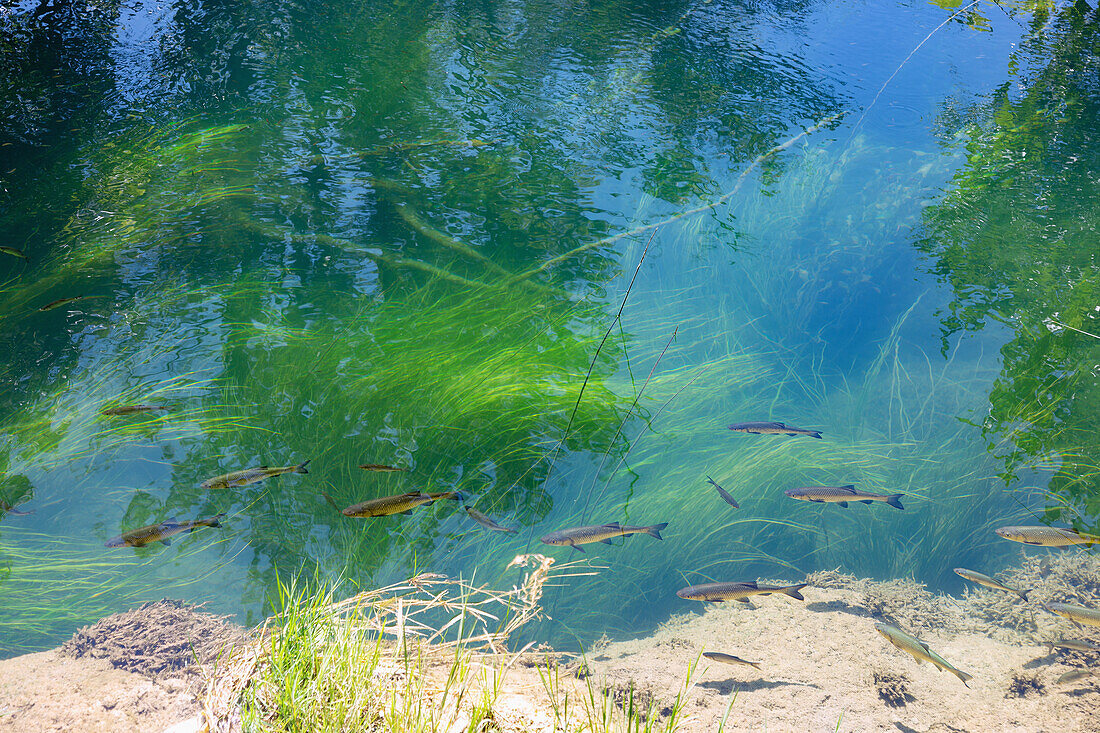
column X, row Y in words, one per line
column 157, row 639
column 892, row 687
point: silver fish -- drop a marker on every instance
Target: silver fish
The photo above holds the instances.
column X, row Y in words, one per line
column 576, row 536
column 841, row 495
column 988, row 582
column 772, row 428
column 919, row 650
column 250, row 476
column 1047, row 536
column 729, row 659
column 161, row 532
column 485, row 521
column 724, row 494
column 730, row 591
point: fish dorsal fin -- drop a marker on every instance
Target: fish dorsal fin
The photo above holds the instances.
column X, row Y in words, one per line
column 924, row 644
column 614, row 525
column 415, row 494
column 171, row 520
column 750, row 584
column 264, row 467
column 849, row 487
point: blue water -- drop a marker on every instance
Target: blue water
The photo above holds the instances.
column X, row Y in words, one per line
column 304, row 225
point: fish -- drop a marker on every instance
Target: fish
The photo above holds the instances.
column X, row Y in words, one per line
column 1074, row 674
column 380, row 468
column 1076, row 645
column 576, row 536
column 988, row 582
column 919, row 650
column 63, row 301
column 841, row 495
column 131, row 409
column 395, row 504
column 6, row 508
column 162, row 532
column 729, row 659
column 772, row 428
column 486, row 522
column 724, row 494
column 738, row 591
column 14, row 252
column 1079, row 615
column 250, row 476
column 1047, row 536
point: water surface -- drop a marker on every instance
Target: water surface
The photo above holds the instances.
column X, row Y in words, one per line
column 392, row 233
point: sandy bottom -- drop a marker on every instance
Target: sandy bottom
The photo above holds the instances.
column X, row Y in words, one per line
column 819, row 662
column 823, row 666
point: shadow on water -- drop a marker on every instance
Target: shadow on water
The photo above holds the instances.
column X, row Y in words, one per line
column 838, row 606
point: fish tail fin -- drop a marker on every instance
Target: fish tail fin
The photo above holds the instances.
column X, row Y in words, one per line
column 755, row 664
column 216, row 520
column 814, row 434
column 458, row 496
column 792, row 591
column 963, row 676
column 1023, row 593
column 301, row 467
column 655, row 530
column 893, row 501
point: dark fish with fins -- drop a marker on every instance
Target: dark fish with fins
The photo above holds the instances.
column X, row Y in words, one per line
column 395, row 504
column 724, row 494
column 772, row 428
column 132, row 409
column 162, row 532
column 14, row 252
column 742, row 591
column 65, row 301
column 380, row 468
column 485, row 521
column 250, row 476
column 576, row 536
column 841, row 495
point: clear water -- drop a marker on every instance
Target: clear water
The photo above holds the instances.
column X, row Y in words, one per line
column 304, row 225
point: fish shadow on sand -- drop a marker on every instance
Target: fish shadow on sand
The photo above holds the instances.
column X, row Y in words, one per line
column 1042, row 661
column 904, row 728
column 839, row 607
column 725, row 687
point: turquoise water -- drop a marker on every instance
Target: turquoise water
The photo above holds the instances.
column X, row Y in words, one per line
column 389, row 233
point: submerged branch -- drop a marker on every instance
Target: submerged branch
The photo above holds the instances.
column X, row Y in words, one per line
column 684, row 214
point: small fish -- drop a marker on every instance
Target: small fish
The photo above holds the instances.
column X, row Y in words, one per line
column 988, row 582
column 772, row 428
column 162, row 532
column 724, row 494
column 1074, row 674
column 64, row 301
column 738, row 591
column 841, row 495
column 14, row 253
column 1047, row 536
column 250, row 476
column 395, row 504
column 486, row 522
column 131, row 409
column 576, row 536
column 1076, row 645
column 6, row 508
column 729, row 659
column 380, row 468
column 919, row 650
column 1079, row 615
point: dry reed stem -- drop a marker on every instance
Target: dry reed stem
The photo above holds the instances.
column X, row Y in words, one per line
column 399, row 610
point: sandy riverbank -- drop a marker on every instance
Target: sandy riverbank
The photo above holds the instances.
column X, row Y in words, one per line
column 823, row 667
